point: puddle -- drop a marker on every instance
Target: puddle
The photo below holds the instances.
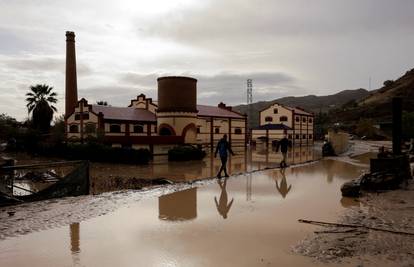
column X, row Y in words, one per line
column 246, row 220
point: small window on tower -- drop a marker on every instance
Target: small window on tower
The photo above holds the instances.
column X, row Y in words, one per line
column 198, row 130
column 275, row 111
column 238, row 131
column 217, row 130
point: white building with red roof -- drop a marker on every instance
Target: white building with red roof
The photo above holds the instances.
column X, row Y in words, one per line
column 279, row 120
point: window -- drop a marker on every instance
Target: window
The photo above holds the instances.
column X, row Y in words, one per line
column 138, row 128
column 198, row 130
column 268, row 119
column 74, row 129
column 304, row 119
column 310, row 136
column 310, row 120
column 297, row 119
column 289, row 136
column 297, row 136
column 85, row 116
column 304, row 136
column 115, row 128
column 238, row 131
column 217, row 130
column 283, row 118
column 275, row 111
column 77, row 117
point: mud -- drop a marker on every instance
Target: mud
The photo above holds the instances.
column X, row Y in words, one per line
column 392, row 210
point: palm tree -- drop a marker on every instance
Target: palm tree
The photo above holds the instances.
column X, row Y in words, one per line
column 40, row 102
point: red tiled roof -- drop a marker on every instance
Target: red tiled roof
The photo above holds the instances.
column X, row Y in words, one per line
column 217, row 112
column 127, row 113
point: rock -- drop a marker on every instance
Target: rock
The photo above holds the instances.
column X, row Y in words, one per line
column 351, row 189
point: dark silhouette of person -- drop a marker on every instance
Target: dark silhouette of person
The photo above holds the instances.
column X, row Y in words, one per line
column 222, row 207
column 283, row 144
column 283, row 187
column 222, row 147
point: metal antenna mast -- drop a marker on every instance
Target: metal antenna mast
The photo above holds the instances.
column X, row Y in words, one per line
column 249, row 116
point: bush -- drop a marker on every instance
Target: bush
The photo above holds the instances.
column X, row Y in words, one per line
column 103, row 153
column 185, row 152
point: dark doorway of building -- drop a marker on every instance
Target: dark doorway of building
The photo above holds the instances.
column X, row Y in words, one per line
column 165, row 131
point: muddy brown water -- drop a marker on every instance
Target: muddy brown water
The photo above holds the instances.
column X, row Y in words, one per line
column 246, row 220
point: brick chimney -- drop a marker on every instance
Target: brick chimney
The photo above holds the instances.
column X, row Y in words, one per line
column 71, row 86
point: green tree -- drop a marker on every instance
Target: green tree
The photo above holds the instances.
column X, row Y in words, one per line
column 365, row 127
column 40, row 102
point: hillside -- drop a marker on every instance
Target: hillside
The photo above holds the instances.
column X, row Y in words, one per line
column 311, row 103
column 377, row 105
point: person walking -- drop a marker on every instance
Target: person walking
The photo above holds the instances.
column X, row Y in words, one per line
column 222, row 147
column 283, row 144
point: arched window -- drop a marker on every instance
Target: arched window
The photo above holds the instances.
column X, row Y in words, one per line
column 238, row 131
column 304, row 119
column 138, row 128
column 268, row 119
column 275, row 111
column 310, row 120
column 217, row 130
column 73, row 128
column 198, row 130
column 304, row 136
column 164, row 131
column 283, row 118
column 115, row 128
column 297, row 119
column 310, row 136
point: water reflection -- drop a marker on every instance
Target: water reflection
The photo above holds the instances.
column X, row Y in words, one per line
column 178, row 206
column 222, row 206
column 245, row 160
column 74, row 229
column 283, row 188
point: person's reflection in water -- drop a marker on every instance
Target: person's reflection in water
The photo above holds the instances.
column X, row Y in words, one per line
column 222, row 206
column 283, row 188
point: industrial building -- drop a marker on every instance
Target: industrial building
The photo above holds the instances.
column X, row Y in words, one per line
column 278, row 120
column 175, row 118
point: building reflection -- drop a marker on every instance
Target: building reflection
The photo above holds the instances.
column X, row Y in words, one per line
column 282, row 187
column 178, row 206
column 222, row 206
column 74, row 230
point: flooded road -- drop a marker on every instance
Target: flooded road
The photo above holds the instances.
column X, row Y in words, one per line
column 246, row 220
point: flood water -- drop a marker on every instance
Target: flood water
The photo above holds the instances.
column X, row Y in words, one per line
column 246, row 220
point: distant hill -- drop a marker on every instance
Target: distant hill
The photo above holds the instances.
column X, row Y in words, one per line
column 377, row 104
column 310, row 103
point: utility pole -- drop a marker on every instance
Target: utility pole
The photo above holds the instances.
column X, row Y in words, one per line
column 249, row 116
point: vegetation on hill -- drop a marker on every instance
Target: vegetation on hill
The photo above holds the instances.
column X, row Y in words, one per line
column 312, row 103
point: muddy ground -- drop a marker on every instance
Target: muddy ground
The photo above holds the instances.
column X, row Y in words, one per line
column 392, row 210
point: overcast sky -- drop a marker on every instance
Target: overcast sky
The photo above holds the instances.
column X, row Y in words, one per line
column 288, row 47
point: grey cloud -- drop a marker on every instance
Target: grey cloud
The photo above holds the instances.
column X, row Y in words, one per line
column 243, row 22
column 34, row 63
column 226, row 86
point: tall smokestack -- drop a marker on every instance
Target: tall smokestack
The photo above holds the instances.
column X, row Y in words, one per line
column 71, row 85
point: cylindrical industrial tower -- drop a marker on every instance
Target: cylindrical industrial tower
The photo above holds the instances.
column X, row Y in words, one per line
column 177, row 94
column 177, row 107
column 71, row 86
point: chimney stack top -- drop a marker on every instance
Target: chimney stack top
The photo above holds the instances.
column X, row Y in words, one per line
column 70, row 36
